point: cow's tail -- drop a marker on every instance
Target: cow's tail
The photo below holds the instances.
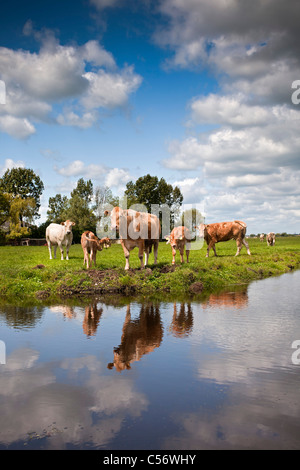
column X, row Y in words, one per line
column 149, row 243
column 241, row 223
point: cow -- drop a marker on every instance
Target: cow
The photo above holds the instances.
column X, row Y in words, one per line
column 179, row 238
column 90, row 245
column 140, row 336
column 60, row 235
column 271, row 239
column 262, row 237
column 222, row 232
column 105, row 242
column 136, row 229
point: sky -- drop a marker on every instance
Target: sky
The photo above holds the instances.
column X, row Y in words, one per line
column 203, row 93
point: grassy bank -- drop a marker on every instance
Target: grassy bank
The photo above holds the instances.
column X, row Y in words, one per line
column 27, row 274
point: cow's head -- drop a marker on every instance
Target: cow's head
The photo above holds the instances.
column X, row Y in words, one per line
column 68, row 226
column 172, row 240
column 201, row 229
column 115, row 215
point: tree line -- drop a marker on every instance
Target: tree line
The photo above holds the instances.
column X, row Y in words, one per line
column 21, row 190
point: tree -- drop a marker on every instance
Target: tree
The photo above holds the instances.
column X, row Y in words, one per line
column 84, row 190
column 150, row 190
column 190, row 218
column 23, row 183
column 57, row 205
column 5, row 200
column 18, row 206
column 78, row 209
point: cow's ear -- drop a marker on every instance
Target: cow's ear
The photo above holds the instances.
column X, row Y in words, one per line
column 73, row 223
column 168, row 240
column 62, row 223
column 107, row 212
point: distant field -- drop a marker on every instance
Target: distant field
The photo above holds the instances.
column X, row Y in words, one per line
column 21, row 279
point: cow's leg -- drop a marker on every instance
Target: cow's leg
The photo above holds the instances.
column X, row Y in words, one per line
column 155, row 250
column 247, row 246
column 61, row 251
column 146, row 255
column 239, row 246
column 173, row 254
column 49, row 248
column 86, row 258
column 141, row 253
column 187, row 251
column 181, row 251
column 67, row 251
column 211, row 245
column 126, row 253
column 54, row 251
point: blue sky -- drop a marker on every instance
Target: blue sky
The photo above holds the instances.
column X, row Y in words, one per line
column 195, row 91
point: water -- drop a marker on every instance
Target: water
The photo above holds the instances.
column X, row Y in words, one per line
column 213, row 374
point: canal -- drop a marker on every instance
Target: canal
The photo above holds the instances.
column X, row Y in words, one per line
column 221, row 372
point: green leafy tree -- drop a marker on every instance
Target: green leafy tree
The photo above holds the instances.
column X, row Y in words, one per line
column 5, row 200
column 150, row 190
column 189, row 218
column 23, row 183
column 79, row 210
column 56, row 207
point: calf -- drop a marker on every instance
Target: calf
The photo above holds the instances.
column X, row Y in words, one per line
column 222, row 232
column 179, row 238
column 60, row 235
column 90, row 245
column 271, row 239
column 105, row 242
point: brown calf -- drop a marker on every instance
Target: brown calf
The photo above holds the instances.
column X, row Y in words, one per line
column 90, row 245
column 222, row 232
column 179, row 238
column 271, row 239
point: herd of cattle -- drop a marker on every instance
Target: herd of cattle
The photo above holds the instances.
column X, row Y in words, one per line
column 142, row 230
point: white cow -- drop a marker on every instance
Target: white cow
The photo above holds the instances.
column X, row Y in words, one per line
column 60, row 235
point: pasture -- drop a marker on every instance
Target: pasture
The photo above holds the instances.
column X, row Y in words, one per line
column 28, row 275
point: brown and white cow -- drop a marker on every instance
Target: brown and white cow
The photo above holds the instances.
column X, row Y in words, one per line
column 136, row 229
column 179, row 238
column 140, row 336
column 271, row 239
column 222, row 232
column 60, row 235
column 262, row 237
column 90, row 245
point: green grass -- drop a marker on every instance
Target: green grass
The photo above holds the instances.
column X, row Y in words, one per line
column 22, row 281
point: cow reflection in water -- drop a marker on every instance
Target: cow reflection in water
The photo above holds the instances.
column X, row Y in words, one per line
column 182, row 321
column 91, row 319
column 237, row 300
column 140, row 336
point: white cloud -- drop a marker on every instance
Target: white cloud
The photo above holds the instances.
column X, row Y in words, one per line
column 57, row 74
column 20, row 128
column 110, row 90
column 115, row 178
column 79, row 168
column 9, row 164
